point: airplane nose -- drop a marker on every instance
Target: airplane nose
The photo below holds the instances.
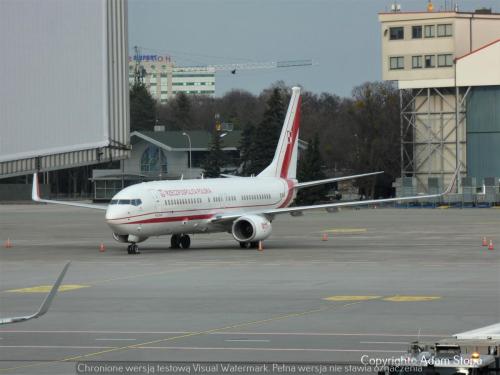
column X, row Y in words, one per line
column 111, row 214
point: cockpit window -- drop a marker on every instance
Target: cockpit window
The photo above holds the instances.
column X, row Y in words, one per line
column 133, row 202
column 136, row 202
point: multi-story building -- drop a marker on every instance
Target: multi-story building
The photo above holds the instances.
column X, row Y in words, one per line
column 163, row 79
column 430, row 54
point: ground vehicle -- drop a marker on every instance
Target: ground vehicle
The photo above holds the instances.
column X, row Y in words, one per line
column 449, row 357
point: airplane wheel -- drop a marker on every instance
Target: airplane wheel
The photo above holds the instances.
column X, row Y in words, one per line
column 133, row 249
column 185, row 241
column 245, row 245
column 175, row 241
column 254, row 244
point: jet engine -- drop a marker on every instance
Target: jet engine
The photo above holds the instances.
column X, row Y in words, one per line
column 120, row 237
column 251, row 228
column 128, row 238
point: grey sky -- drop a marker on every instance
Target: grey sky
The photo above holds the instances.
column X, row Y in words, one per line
column 341, row 36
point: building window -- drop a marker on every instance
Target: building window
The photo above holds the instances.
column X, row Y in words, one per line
column 416, row 32
column 153, row 160
column 445, row 60
column 396, row 33
column 416, row 62
column 397, row 62
column 444, row 30
column 429, row 31
column 430, row 61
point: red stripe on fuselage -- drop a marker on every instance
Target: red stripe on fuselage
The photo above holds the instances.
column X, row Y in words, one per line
column 171, row 219
column 290, row 145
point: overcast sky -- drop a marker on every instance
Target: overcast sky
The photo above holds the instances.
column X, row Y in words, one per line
column 342, row 37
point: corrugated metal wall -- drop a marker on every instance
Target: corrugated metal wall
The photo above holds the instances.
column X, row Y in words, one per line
column 118, row 107
column 483, row 132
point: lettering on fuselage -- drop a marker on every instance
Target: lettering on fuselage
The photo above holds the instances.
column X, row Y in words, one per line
column 177, row 192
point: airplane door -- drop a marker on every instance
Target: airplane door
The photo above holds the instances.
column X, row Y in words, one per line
column 156, row 202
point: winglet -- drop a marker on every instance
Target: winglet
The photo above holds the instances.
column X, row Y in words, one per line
column 35, row 191
column 452, row 182
column 44, row 307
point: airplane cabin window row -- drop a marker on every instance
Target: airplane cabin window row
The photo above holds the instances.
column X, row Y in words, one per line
column 256, row 196
column 171, row 202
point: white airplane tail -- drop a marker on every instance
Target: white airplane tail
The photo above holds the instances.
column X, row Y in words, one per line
column 284, row 163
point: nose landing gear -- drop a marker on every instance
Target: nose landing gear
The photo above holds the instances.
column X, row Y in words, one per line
column 133, row 249
column 180, row 240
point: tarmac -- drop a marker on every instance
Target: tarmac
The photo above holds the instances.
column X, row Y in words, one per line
column 384, row 278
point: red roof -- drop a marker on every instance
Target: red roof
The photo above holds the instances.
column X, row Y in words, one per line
column 479, row 49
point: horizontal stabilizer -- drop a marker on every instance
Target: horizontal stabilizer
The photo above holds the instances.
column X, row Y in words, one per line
column 301, row 185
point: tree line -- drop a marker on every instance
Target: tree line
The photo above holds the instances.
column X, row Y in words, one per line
column 345, row 135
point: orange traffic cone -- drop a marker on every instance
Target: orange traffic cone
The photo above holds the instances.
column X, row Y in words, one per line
column 324, row 237
column 490, row 246
column 485, row 243
column 8, row 244
column 261, row 246
column 102, row 248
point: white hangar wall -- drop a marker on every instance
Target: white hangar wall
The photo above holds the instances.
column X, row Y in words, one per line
column 64, row 84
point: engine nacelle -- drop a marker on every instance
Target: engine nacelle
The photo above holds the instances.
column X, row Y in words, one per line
column 128, row 238
column 251, row 228
column 120, row 237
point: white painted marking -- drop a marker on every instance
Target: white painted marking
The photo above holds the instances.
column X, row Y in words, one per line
column 56, row 347
column 106, row 339
column 374, row 334
column 385, row 342
column 246, row 340
column 268, row 349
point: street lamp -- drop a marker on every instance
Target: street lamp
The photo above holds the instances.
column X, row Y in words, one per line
column 189, row 140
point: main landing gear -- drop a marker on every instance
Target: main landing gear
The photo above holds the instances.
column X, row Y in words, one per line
column 180, row 240
column 249, row 245
column 133, row 249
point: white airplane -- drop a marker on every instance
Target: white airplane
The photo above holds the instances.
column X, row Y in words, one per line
column 44, row 307
column 243, row 206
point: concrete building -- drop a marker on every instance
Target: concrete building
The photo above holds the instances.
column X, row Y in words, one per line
column 163, row 79
column 163, row 155
column 442, row 62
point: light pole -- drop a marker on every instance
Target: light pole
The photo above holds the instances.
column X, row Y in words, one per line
column 189, row 140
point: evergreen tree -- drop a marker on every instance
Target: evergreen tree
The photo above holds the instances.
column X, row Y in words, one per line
column 181, row 112
column 310, row 169
column 216, row 158
column 267, row 134
column 245, row 147
column 142, row 108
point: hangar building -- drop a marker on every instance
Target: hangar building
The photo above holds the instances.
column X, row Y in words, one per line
column 446, row 67
column 52, row 118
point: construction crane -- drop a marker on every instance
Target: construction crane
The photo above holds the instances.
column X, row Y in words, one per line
column 233, row 68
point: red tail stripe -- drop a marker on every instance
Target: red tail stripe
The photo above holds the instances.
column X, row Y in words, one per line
column 290, row 146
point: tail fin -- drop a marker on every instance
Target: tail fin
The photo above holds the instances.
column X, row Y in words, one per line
column 284, row 163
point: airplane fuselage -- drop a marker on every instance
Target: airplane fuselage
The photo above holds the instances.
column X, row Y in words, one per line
column 188, row 206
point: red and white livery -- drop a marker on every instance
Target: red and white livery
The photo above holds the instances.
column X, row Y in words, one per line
column 243, row 206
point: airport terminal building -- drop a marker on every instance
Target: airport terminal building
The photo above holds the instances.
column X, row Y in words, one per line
column 446, row 68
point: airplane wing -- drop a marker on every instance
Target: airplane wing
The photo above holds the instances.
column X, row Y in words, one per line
column 491, row 332
column 301, row 185
column 35, row 195
column 277, row 211
column 44, row 307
